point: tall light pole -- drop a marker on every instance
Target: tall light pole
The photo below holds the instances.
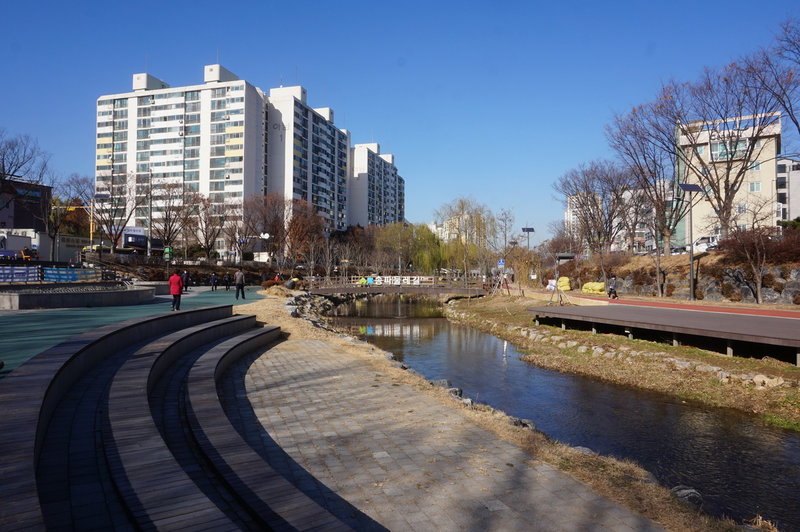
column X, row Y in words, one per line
column 690, row 188
column 150, row 214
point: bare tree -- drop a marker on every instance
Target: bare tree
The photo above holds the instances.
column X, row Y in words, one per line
column 304, row 226
column 470, row 228
column 269, row 214
column 751, row 241
column 505, row 224
column 20, row 159
column 727, row 115
column 776, row 70
column 115, row 205
column 644, row 139
column 594, row 192
column 396, row 241
column 174, row 208
column 563, row 241
column 209, row 221
column 233, row 230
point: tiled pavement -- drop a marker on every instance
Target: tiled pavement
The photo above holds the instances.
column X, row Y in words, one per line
column 400, row 457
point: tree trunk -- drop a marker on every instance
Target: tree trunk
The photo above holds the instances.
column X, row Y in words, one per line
column 667, row 243
column 659, row 284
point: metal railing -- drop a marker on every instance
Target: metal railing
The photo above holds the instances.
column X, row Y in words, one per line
column 45, row 274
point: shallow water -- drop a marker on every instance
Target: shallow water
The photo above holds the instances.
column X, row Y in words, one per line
column 741, row 467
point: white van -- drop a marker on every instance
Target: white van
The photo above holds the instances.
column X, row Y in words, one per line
column 704, row 243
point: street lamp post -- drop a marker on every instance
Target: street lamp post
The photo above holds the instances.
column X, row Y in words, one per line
column 528, row 231
column 690, row 188
column 150, row 215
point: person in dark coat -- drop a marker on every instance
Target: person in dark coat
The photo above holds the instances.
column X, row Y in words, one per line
column 238, row 280
column 612, row 287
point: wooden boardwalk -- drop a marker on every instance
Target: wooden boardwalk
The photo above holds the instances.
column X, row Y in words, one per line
column 780, row 335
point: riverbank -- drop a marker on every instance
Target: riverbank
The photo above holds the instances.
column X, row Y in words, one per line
column 620, row 481
column 766, row 388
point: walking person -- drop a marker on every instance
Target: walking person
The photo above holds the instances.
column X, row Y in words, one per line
column 612, row 287
column 227, row 280
column 238, row 280
column 176, row 289
column 185, row 280
column 213, row 280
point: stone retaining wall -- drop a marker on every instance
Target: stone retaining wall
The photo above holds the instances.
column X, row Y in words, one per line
column 785, row 286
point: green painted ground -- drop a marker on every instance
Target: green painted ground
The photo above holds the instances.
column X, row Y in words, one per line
column 25, row 333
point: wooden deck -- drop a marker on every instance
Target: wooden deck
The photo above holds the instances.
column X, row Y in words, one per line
column 778, row 335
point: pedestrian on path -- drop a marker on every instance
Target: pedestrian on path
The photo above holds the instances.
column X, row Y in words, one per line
column 612, row 287
column 176, row 289
column 238, row 280
column 185, row 280
column 213, row 280
column 227, row 280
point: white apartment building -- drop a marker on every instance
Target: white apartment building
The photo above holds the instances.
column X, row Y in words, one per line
column 787, row 186
column 229, row 141
column 307, row 156
column 208, row 137
column 721, row 146
column 375, row 190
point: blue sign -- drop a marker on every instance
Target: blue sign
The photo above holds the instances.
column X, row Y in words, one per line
column 501, row 262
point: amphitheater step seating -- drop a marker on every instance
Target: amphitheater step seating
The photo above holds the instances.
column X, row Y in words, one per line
column 122, row 428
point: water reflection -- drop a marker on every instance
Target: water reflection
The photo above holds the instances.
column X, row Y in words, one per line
column 741, row 467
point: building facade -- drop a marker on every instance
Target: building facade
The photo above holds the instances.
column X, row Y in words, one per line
column 787, row 186
column 208, row 138
column 375, row 189
column 721, row 150
column 229, row 141
column 307, row 156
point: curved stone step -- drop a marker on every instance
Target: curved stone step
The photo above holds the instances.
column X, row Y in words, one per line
column 280, row 504
column 32, row 392
column 155, row 488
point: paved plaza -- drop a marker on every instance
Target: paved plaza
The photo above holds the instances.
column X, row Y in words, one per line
column 401, row 457
column 26, row 333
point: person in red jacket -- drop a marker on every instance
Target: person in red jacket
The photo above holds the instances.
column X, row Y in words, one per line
column 176, row 289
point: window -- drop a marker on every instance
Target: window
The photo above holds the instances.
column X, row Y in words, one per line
column 780, row 182
column 741, row 208
column 755, row 167
column 730, row 149
column 755, row 186
column 781, row 168
column 782, row 197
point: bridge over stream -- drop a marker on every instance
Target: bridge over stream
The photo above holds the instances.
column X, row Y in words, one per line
column 398, row 284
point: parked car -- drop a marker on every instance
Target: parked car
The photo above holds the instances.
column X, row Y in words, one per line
column 705, row 243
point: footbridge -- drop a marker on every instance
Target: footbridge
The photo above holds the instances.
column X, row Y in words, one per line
column 397, row 284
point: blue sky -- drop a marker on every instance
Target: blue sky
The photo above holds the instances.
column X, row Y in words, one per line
column 491, row 100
